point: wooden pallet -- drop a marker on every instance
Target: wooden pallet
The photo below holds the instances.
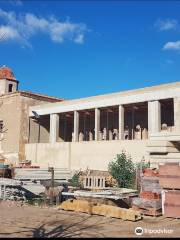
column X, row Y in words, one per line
column 148, row 211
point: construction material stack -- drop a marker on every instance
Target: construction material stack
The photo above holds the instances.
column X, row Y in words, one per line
column 149, row 202
column 169, row 177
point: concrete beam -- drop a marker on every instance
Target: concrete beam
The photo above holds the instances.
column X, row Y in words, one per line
column 54, row 128
column 121, row 98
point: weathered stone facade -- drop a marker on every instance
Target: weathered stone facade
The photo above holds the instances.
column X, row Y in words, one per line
column 14, row 116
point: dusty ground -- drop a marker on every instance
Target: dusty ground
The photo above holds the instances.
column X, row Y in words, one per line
column 30, row 221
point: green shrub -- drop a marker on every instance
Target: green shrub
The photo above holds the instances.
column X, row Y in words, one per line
column 123, row 170
column 75, row 181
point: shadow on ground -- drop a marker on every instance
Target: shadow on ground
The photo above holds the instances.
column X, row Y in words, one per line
column 77, row 229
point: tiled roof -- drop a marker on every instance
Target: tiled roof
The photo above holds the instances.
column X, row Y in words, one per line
column 6, row 73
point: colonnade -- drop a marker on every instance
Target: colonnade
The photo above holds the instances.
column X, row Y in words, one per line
column 154, row 121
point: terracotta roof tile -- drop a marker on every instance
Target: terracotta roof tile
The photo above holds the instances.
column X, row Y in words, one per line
column 6, row 73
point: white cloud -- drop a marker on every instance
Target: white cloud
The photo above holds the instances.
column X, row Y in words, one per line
column 8, row 33
column 23, row 26
column 167, row 24
column 172, row 46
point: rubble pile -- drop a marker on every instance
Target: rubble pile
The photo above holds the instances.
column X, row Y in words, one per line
column 14, row 193
column 14, row 190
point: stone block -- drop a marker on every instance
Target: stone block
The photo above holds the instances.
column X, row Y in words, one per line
column 100, row 209
column 77, row 206
column 116, row 212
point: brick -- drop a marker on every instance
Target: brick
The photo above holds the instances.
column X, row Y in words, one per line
column 146, row 203
column 148, row 172
column 150, row 195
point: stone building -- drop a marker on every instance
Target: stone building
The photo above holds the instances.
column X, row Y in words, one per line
column 89, row 132
column 14, row 116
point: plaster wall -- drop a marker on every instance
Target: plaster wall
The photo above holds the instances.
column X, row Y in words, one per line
column 26, row 102
column 10, row 114
column 80, row 155
column 2, row 86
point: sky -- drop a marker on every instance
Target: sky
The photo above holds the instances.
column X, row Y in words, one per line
column 75, row 49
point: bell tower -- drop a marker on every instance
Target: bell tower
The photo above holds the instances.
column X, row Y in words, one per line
column 8, row 82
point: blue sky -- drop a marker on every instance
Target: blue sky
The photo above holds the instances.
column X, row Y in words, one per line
column 74, row 49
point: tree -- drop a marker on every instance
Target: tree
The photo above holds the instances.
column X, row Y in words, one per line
column 123, row 170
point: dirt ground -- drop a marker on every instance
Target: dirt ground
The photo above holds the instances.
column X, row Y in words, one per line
column 30, row 221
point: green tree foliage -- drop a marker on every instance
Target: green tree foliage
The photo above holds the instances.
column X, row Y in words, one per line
column 123, row 170
column 75, row 182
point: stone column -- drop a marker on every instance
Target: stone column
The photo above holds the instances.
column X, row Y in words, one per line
column 97, row 123
column 54, row 127
column 121, row 122
column 154, row 116
column 76, row 126
column 177, row 114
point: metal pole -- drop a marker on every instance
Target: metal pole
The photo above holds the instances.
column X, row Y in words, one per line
column 51, row 170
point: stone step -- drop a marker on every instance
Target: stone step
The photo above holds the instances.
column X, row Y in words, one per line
column 169, row 156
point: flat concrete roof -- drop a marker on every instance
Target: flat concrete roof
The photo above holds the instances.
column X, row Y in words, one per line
column 158, row 92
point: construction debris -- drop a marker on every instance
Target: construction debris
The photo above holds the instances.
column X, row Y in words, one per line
column 116, row 193
column 100, row 209
column 11, row 189
column 149, row 202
